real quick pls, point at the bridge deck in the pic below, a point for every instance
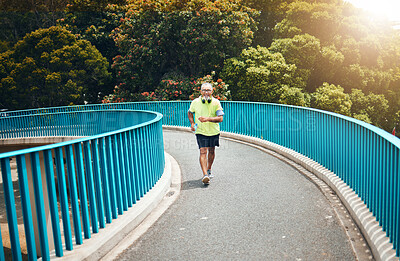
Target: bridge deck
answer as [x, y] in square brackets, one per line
[256, 208]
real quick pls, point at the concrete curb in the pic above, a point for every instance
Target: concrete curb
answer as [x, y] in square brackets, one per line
[108, 238]
[376, 238]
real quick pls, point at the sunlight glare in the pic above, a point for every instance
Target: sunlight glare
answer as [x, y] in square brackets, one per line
[387, 8]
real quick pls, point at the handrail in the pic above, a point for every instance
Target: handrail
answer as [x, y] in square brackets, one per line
[107, 171]
[365, 157]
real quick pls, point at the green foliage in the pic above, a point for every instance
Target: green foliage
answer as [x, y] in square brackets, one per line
[50, 67]
[371, 108]
[194, 37]
[19, 17]
[330, 97]
[302, 50]
[317, 19]
[94, 21]
[259, 75]
[294, 96]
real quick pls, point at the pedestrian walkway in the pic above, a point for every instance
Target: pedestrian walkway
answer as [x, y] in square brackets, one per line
[256, 208]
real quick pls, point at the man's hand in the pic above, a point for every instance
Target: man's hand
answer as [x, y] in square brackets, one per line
[204, 119]
[192, 127]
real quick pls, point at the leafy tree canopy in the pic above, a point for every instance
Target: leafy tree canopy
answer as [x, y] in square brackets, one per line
[330, 97]
[50, 67]
[192, 37]
[259, 75]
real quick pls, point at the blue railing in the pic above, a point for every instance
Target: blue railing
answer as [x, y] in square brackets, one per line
[99, 176]
[363, 156]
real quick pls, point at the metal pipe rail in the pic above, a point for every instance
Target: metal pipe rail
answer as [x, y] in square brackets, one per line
[94, 179]
[365, 157]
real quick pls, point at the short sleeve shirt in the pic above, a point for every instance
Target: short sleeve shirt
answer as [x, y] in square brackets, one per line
[212, 109]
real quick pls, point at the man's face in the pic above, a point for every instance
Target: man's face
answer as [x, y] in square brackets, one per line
[206, 91]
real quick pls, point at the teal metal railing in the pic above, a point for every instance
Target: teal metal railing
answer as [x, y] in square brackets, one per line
[95, 178]
[365, 157]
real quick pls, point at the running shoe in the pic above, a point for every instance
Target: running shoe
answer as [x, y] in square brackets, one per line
[206, 179]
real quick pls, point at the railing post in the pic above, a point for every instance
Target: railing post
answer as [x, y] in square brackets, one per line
[26, 207]
[51, 189]
[90, 184]
[117, 179]
[122, 172]
[82, 189]
[111, 177]
[39, 202]
[73, 194]
[10, 207]
[104, 180]
[97, 182]
[62, 191]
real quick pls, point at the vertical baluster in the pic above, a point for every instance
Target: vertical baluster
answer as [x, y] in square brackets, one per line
[134, 185]
[379, 183]
[139, 163]
[385, 198]
[26, 208]
[51, 189]
[161, 148]
[363, 172]
[62, 191]
[97, 182]
[73, 194]
[367, 162]
[150, 156]
[10, 207]
[41, 218]
[91, 186]
[2, 249]
[117, 174]
[82, 189]
[104, 180]
[121, 158]
[128, 168]
[397, 203]
[146, 160]
[111, 177]
[391, 181]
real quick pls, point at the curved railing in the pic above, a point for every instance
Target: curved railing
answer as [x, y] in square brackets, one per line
[118, 157]
[365, 157]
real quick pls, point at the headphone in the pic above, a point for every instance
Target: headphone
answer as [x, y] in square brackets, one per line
[203, 100]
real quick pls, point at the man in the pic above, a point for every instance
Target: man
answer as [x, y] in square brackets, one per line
[208, 114]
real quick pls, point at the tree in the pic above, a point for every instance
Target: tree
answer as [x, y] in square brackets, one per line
[330, 97]
[50, 67]
[19, 17]
[371, 108]
[192, 37]
[259, 75]
[94, 21]
[317, 19]
[302, 50]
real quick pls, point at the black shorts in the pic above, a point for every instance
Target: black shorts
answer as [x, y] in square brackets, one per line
[207, 141]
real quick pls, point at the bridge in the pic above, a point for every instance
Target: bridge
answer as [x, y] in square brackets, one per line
[114, 160]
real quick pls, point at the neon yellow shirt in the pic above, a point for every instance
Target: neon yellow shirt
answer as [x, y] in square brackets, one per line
[213, 109]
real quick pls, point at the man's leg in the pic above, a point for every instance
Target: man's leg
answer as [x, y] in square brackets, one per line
[211, 156]
[203, 160]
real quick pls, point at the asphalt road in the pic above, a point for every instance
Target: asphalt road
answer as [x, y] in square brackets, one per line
[256, 208]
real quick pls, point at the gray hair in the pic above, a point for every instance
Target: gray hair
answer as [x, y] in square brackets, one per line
[206, 84]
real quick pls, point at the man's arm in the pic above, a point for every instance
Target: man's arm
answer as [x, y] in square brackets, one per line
[191, 119]
[211, 119]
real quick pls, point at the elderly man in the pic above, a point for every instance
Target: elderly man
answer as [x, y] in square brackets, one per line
[208, 113]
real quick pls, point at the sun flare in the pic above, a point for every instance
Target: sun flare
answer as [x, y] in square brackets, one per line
[386, 8]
